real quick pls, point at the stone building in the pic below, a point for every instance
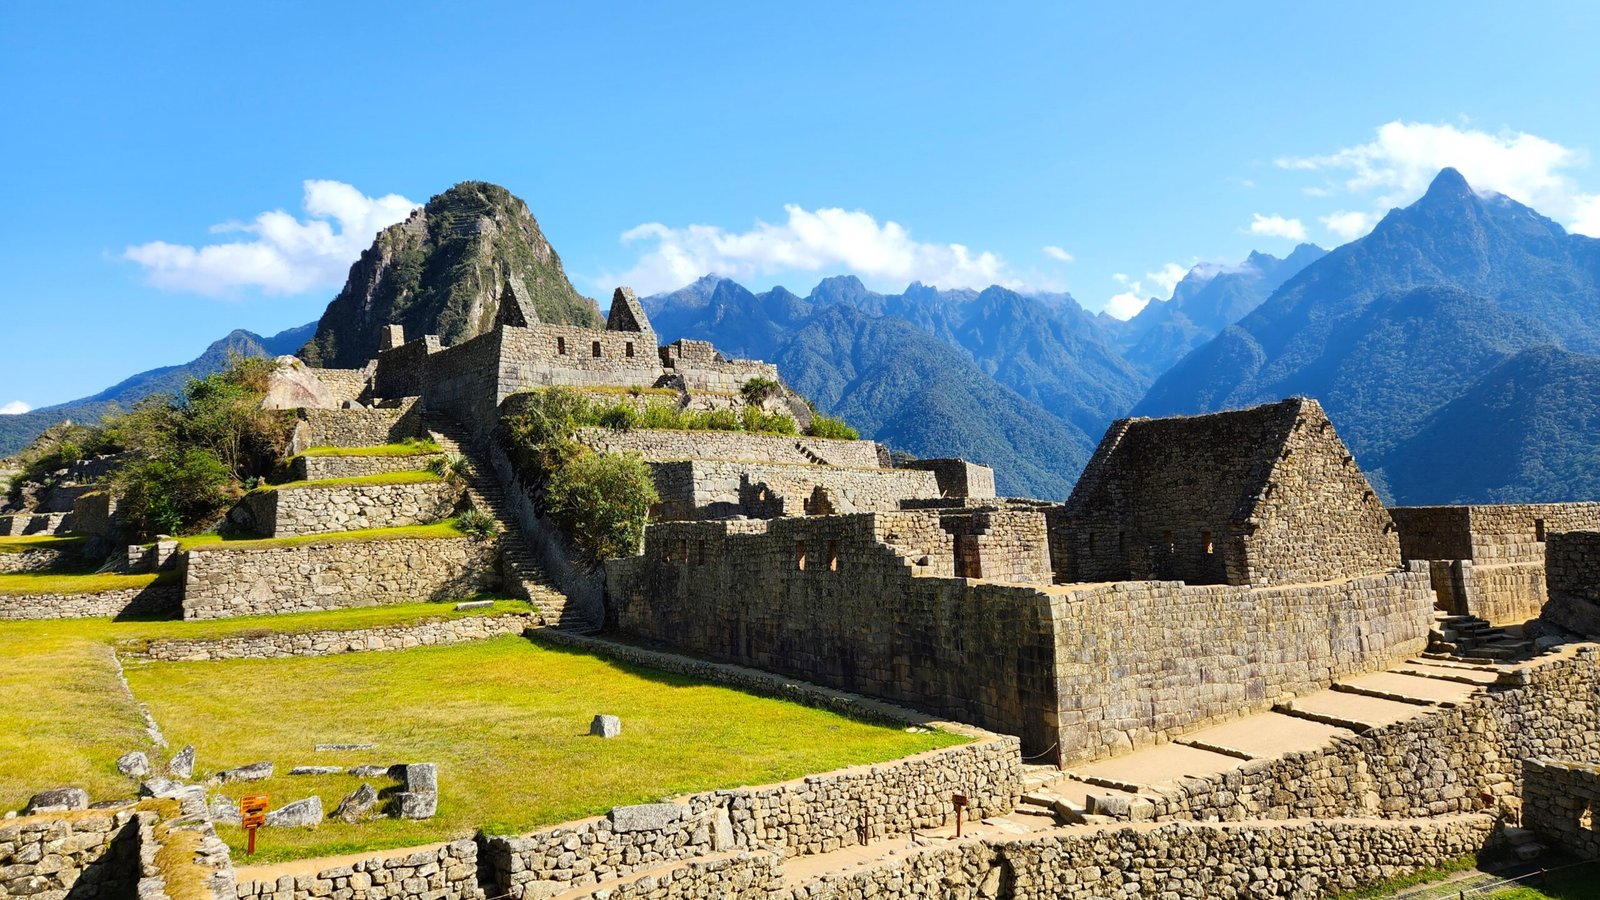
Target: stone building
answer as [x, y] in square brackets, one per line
[1489, 560]
[1260, 496]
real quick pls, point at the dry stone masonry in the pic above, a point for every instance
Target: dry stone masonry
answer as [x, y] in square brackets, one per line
[282, 645]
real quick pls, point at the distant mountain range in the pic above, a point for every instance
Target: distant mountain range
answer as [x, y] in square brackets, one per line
[18, 430]
[1456, 347]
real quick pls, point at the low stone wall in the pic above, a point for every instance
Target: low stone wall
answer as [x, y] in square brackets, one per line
[1453, 760]
[317, 468]
[700, 489]
[818, 814]
[1561, 801]
[84, 854]
[334, 574]
[288, 512]
[356, 427]
[34, 560]
[664, 445]
[18, 524]
[331, 643]
[1572, 565]
[155, 601]
[1301, 860]
[447, 872]
[1507, 594]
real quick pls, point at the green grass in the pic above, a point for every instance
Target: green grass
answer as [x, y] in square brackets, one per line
[419, 476]
[24, 543]
[1578, 884]
[213, 541]
[28, 583]
[407, 448]
[506, 720]
[1415, 879]
[321, 620]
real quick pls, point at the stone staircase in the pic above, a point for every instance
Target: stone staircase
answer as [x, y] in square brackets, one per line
[1470, 637]
[524, 576]
[809, 454]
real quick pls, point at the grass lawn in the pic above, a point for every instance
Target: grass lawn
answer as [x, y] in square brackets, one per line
[26, 583]
[65, 717]
[1580, 884]
[419, 476]
[213, 541]
[406, 448]
[506, 720]
[24, 543]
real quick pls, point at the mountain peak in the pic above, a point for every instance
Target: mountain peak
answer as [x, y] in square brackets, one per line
[1448, 183]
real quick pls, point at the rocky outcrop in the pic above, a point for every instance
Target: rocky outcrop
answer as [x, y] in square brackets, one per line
[448, 270]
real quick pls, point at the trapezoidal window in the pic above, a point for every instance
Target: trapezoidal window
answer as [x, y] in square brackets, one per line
[800, 555]
[627, 350]
[684, 548]
[561, 346]
[1166, 538]
[1206, 543]
[833, 556]
[594, 349]
[1538, 530]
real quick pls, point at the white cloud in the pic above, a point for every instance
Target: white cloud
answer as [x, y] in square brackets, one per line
[286, 255]
[1277, 226]
[808, 241]
[1348, 225]
[14, 408]
[1126, 305]
[1167, 277]
[1057, 253]
[1403, 158]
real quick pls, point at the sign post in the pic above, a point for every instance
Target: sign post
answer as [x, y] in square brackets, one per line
[252, 815]
[959, 801]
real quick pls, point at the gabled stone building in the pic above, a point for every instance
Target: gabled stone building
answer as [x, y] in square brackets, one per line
[1260, 496]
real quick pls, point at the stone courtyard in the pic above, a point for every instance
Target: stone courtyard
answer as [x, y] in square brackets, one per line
[1220, 668]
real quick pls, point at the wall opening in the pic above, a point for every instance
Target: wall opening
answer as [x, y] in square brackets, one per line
[969, 562]
[833, 556]
[1206, 544]
[627, 350]
[1538, 530]
[1586, 818]
[800, 555]
[819, 503]
[700, 553]
[1166, 538]
[684, 551]
[561, 346]
[594, 349]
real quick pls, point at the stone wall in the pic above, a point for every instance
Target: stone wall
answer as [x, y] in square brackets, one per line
[446, 872]
[1561, 801]
[293, 510]
[1572, 564]
[665, 445]
[1447, 760]
[841, 600]
[318, 468]
[280, 645]
[1300, 860]
[95, 513]
[958, 478]
[343, 384]
[817, 814]
[335, 574]
[19, 524]
[701, 489]
[155, 601]
[84, 854]
[36, 560]
[356, 427]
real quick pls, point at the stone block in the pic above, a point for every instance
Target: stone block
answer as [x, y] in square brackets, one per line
[605, 726]
[417, 804]
[644, 817]
[253, 772]
[58, 799]
[358, 805]
[134, 764]
[181, 766]
[305, 813]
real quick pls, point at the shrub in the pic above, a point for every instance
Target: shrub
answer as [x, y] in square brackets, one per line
[829, 427]
[172, 493]
[538, 436]
[661, 415]
[477, 524]
[714, 420]
[452, 467]
[759, 390]
[602, 501]
[756, 419]
[619, 417]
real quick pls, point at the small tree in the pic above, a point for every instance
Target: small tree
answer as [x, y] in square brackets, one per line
[602, 501]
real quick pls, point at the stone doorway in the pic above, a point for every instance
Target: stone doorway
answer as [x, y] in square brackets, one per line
[968, 558]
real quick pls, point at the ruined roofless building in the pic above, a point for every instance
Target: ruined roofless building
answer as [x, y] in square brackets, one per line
[1253, 497]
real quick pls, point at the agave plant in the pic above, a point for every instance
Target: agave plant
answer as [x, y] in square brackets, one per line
[452, 467]
[477, 524]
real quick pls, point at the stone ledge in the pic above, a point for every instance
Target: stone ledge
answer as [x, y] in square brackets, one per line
[333, 642]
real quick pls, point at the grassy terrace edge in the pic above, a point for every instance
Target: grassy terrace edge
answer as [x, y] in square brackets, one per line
[27, 542]
[213, 541]
[28, 584]
[408, 448]
[418, 476]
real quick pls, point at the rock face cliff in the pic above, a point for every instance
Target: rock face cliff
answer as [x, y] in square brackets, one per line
[473, 257]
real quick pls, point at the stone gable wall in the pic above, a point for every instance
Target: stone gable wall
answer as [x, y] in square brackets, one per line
[712, 489]
[220, 583]
[350, 507]
[665, 445]
[317, 468]
[356, 427]
[155, 601]
[1561, 801]
[331, 643]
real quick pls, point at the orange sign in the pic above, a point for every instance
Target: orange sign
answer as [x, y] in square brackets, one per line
[253, 815]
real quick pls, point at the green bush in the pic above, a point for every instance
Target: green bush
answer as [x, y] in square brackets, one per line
[829, 427]
[759, 390]
[620, 416]
[661, 415]
[713, 420]
[171, 493]
[452, 467]
[755, 419]
[601, 501]
[477, 524]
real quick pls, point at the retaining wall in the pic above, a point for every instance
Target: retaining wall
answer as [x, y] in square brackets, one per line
[699, 489]
[35, 560]
[83, 854]
[447, 872]
[1561, 801]
[357, 427]
[317, 468]
[331, 643]
[155, 601]
[334, 574]
[292, 511]
[665, 445]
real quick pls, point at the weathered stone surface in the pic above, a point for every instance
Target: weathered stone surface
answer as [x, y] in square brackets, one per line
[316, 770]
[58, 799]
[605, 726]
[358, 805]
[417, 804]
[419, 777]
[224, 811]
[305, 813]
[134, 764]
[293, 385]
[181, 766]
[370, 770]
[253, 772]
[645, 817]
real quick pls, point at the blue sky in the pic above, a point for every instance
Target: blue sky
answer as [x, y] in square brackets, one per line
[1047, 146]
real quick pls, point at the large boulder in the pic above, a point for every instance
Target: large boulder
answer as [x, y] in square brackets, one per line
[305, 813]
[358, 806]
[181, 766]
[134, 764]
[294, 386]
[58, 800]
[253, 772]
